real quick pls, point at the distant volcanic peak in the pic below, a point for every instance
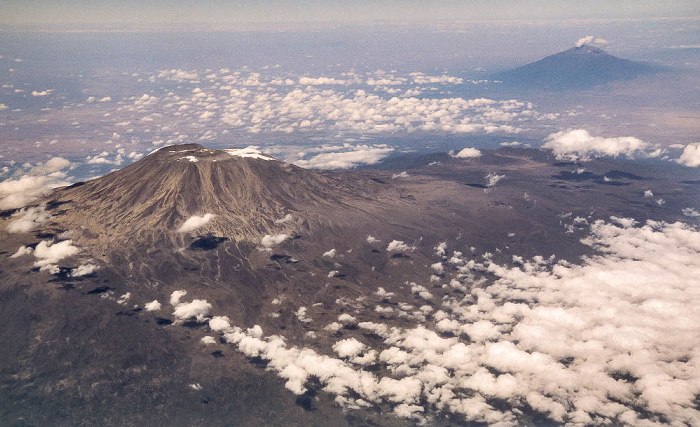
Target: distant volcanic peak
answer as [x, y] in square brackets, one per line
[580, 67]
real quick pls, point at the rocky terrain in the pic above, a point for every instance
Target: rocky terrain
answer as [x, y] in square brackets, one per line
[225, 287]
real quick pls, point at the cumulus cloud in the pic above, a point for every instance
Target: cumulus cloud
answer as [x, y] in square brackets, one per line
[399, 246]
[493, 178]
[49, 254]
[690, 156]
[513, 144]
[347, 156]
[54, 165]
[691, 212]
[197, 309]
[467, 153]
[194, 222]
[123, 299]
[152, 306]
[28, 219]
[84, 270]
[320, 81]
[268, 241]
[579, 145]
[39, 181]
[176, 296]
[220, 323]
[421, 79]
[348, 347]
[584, 40]
[23, 250]
[330, 253]
[17, 193]
[287, 218]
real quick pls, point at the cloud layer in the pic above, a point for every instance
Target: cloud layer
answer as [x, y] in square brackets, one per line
[613, 339]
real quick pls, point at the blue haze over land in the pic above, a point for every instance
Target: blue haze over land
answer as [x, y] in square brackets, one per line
[57, 66]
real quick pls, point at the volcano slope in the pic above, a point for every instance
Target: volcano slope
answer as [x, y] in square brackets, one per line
[224, 287]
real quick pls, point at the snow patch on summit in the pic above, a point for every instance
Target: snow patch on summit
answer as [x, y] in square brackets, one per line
[250, 151]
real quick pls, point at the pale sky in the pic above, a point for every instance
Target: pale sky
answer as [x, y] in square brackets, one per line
[98, 12]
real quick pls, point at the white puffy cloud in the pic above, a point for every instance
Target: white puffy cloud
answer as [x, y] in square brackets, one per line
[287, 218]
[467, 153]
[584, 40]
[347, 318]
[691, 212]
[399, 246]
[690, 156]
[194, 222]
[579, 145]
[20, 192]
[28, 219]
[123, 299]
[55, 164]
[84, 270]
[330, 253]
[382, 293]
[511, 144]
[196, 308]
[348, 347]
[347, 156]
[268, 241]
[176, 296]
[152, 306]
[220, 323]
[320, 81]
[422, 79]
[301, 314]
[208, 340]
[39, 181]
[493, 178]
[23, 250]
[49, 254]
